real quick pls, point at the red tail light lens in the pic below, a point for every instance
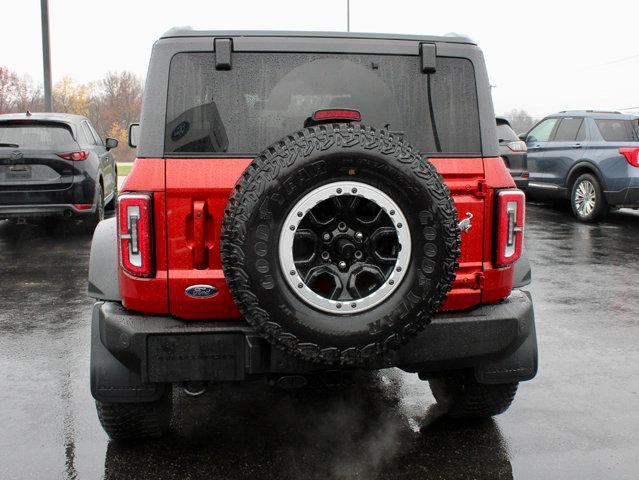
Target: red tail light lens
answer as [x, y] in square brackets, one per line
[631, 154]
[518, 146]
[510, 226]
[75, 156]
[337, 114]
[135, 233]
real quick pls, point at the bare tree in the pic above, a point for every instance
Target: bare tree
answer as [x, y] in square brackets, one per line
[520, 120]
[18, 94]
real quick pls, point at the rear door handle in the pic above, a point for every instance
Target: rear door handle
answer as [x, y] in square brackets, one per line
[577, 145]
[199, 246]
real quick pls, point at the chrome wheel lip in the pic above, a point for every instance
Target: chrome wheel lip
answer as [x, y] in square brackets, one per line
[585, 198]
[287, 237]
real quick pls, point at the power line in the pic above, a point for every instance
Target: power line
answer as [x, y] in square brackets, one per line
[612, 62]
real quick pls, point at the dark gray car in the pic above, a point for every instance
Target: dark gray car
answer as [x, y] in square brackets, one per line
[54, 164]
[513, 151]
[589, 157]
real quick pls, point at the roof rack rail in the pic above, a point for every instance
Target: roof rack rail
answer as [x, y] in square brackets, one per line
[589, 111]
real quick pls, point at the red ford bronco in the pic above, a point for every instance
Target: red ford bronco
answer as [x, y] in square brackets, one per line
[304, 205]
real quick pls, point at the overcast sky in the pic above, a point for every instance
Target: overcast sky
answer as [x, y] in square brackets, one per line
[542, 56]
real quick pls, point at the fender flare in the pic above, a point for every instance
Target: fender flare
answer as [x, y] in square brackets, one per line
[586, 165]
[103, 262]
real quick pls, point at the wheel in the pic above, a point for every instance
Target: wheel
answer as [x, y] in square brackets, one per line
[339, 242]
[135, 420]
[587, 199]
[464, 397]
[96, 217]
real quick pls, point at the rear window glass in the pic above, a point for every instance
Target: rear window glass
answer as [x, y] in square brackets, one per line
[35, 135]
[504, 132]
[266, 96]
[617, 130]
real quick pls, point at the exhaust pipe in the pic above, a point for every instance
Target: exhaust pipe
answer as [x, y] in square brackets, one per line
[194, 389]
[68, 213]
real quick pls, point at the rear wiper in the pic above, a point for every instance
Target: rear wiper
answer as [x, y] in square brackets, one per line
[13, 145]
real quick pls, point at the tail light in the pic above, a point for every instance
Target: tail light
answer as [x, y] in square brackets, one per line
[135, 233]
[631, 154]
[510, 226]
[517, 146]
[75, 156]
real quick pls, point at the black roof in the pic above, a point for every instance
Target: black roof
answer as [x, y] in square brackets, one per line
[190, 32]
[44, 116]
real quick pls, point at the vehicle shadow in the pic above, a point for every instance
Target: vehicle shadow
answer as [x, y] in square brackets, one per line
[361, 431]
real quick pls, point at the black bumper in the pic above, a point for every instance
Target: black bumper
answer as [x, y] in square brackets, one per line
[628, 197]
[55, 200]
[46, 210]
[134, 355]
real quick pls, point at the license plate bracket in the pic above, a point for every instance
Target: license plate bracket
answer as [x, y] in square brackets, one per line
[195, 357]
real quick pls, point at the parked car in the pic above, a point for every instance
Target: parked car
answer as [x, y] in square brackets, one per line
[588, 157]
[513, 151]
[54, 164]
[282, 222]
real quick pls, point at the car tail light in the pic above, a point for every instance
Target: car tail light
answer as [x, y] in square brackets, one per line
[75, 156]
[525, 175]
[337, 114]
[83, 206]
[135, 233]
[510, 226]
[631, 154]
[517, 146]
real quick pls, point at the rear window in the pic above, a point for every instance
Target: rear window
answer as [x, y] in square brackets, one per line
[505, 133]
[35, 134]
[266, 96]
[618, 130]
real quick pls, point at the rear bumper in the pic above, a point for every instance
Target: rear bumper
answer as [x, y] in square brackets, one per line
[628, 197]
[520, 177]
[13, 211]
[134, 355]
[49, 201]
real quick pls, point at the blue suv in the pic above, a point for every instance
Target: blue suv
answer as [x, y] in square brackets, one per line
[587, 156]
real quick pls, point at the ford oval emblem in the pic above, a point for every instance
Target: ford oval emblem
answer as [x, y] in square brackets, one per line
[201, 291]
[180, 130]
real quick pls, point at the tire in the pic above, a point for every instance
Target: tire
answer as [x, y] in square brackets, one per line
[96, 217]
[313, 160]
[123, 421]
[587, 186]
[464, 397]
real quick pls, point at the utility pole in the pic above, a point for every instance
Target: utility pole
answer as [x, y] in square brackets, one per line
[348, 15]
[46, 55]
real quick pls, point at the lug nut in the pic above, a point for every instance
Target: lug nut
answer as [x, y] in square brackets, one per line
[325, 255]
[326, 236]
[341, 226]
[342, 265]
[359, 236]
[358, 255]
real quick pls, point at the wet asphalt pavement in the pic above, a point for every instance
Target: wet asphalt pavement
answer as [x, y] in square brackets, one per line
[578, 419]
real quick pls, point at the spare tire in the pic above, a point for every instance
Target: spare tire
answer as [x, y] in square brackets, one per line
[339, 242]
